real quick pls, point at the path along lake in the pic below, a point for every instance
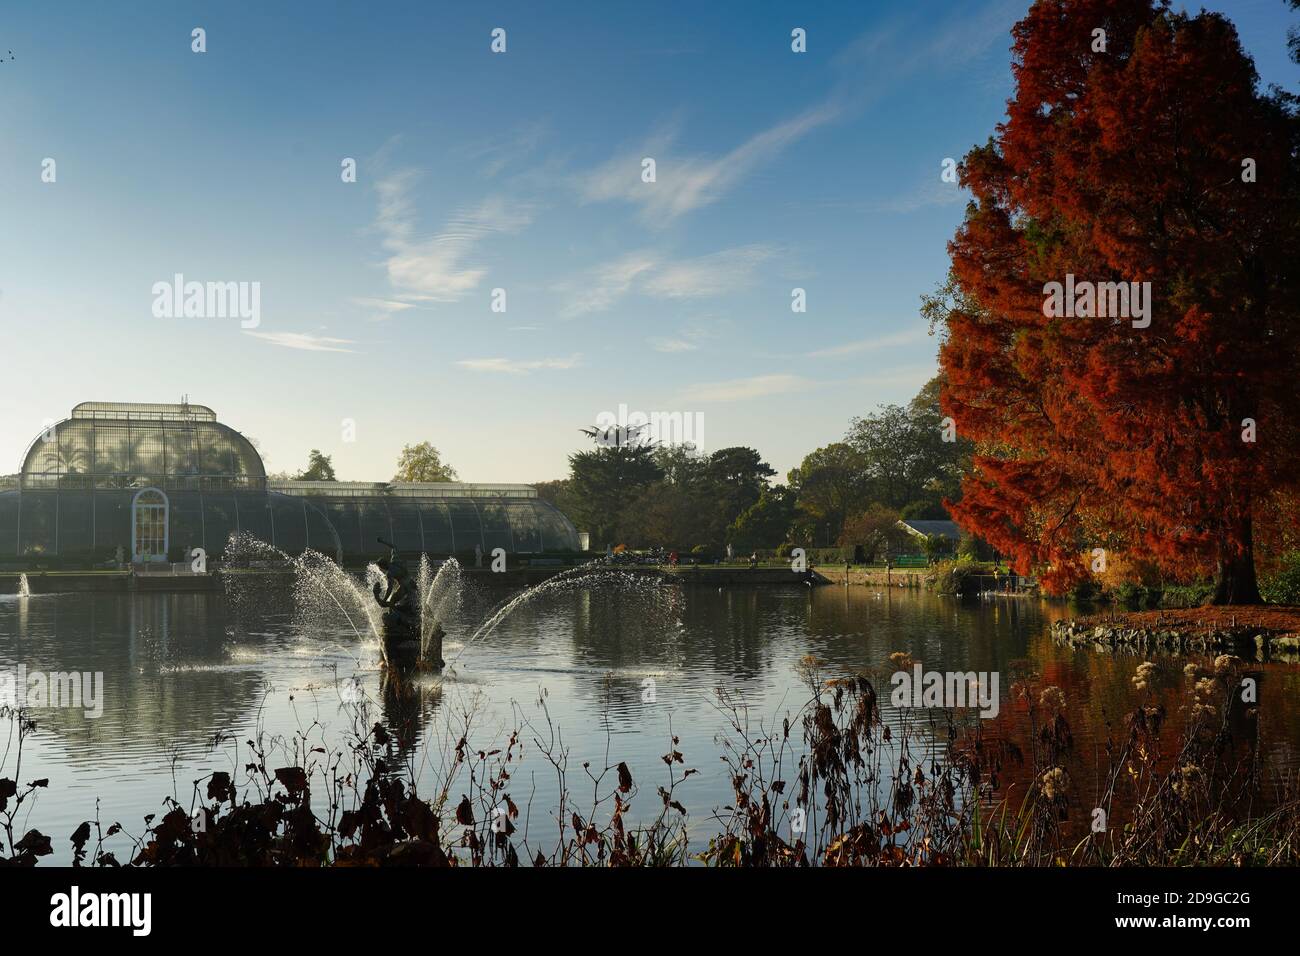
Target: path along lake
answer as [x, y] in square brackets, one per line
[622, 669]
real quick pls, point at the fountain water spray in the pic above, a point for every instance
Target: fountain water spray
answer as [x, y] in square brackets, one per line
[322, 591]
[582, 575]
[439, 599]
[24, 589]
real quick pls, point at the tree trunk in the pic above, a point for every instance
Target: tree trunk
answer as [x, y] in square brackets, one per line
[1234, 580]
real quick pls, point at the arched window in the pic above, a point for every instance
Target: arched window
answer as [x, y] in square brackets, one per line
[149, 525]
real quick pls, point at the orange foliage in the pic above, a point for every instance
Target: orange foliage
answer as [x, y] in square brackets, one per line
[1126, 166]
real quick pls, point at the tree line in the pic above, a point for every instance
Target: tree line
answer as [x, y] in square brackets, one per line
[419, 462]
[893, 463]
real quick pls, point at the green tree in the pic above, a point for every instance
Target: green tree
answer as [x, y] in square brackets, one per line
[681, 464]
[941, 462]
[668, 515]
[736, 477]
[906, 455]
[319, 468]
[876, 530]
[604, 482]
[831, 485]
[766, 523]
[558, 492]
[924, 509]
[422, 462]
[888, 448]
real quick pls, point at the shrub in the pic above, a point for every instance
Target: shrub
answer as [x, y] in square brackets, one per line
[1283, 586]
[1135, 595]
[938, 545]
[830, 555]
[954, 577]
[1086, 590]
[1187, 595]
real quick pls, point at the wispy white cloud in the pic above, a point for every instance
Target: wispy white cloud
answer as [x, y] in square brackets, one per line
[381, 309]
[709, 275]
[930, 192]
[690, 338]
[679, 344]
[518, 366]
[383, 305]
[439, 268]
[496, 153]
[651, 273]
[869, 66]
[740, 389]
[908, 378]
[601, 287]
[872, 344]
[969, 36]
[923, 196]
[887, 55]
[303, 341]
[686, 183]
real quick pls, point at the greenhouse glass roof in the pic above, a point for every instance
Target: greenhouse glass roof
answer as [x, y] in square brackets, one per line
[125, 445]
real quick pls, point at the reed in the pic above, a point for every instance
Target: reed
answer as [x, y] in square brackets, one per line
[835, 784]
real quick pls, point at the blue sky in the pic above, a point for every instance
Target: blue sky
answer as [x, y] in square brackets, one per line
[478, 171]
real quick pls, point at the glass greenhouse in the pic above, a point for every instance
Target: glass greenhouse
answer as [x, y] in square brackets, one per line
[156, 481]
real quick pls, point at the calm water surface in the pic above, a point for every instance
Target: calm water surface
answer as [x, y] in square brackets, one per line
[181, 669]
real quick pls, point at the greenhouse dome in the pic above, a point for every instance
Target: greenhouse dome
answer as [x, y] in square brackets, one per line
[119, 482]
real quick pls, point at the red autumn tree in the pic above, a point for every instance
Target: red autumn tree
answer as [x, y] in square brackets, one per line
[1146, 153]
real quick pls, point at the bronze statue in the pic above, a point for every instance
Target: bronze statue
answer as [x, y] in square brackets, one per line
[401, 605]
[405, 640]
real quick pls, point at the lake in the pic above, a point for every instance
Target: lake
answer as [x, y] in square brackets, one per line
[622, 667]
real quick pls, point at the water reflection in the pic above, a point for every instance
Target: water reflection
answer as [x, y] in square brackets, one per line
[182, 668]
[168, 671]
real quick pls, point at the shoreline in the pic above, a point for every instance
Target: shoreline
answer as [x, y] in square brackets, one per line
[66, 582]
[1264, 632]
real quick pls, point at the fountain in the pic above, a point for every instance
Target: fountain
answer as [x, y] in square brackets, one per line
[24, 589]
[403, 628]
[323, 592]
